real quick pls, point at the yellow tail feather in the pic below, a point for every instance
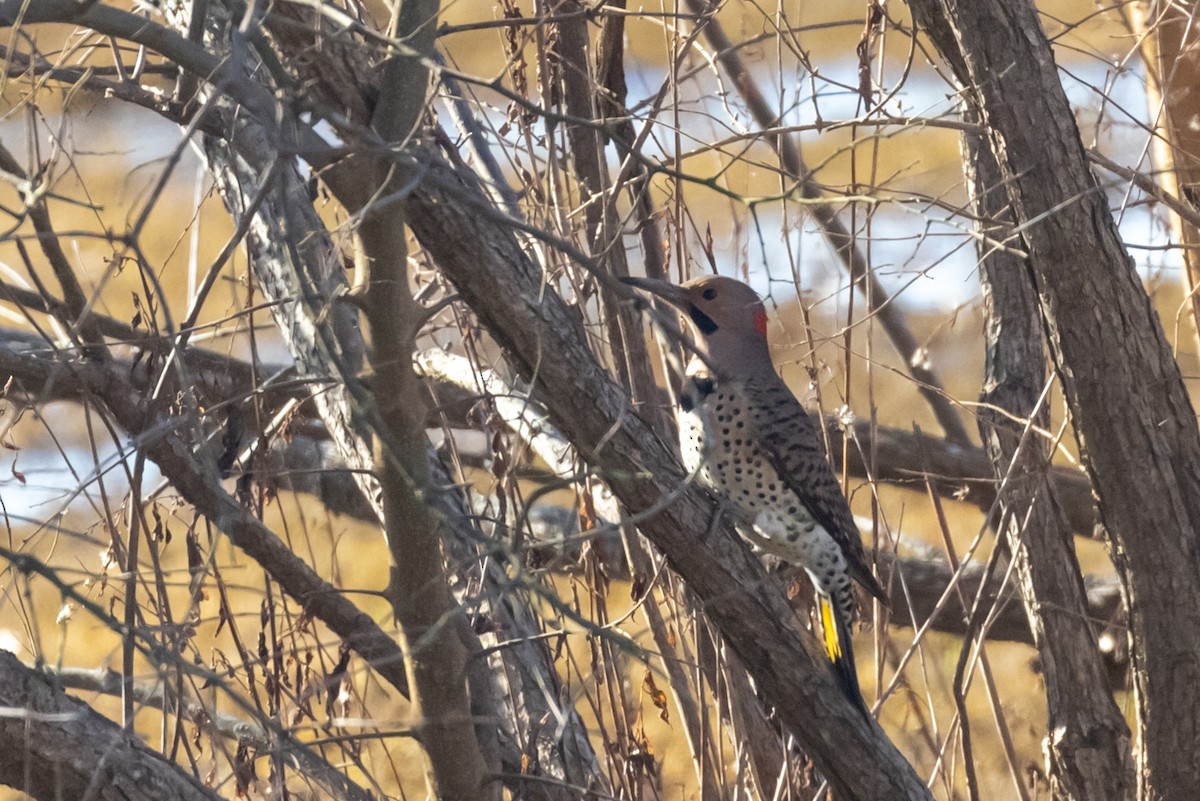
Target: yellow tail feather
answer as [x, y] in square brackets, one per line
[840, 650]
[833, 646]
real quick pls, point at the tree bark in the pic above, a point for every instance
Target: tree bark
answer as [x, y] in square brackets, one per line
[454, 702]
[1132, 416]
[53, 746]
[1087, 745]
[297, 266]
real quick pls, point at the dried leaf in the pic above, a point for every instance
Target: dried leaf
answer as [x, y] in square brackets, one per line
[658, 698]
[707, 247]
[196, 571]
[136, 322]
[243, 770]
[637, 587]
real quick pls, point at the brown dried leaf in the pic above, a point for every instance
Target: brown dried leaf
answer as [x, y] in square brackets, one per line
[659, 699]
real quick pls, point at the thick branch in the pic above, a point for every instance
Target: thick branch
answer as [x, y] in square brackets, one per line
[264, 737]
[919, 600]
[438, 642]
[53, 746]
[158, 694]
[200, 484]
[310, 463]
[961, 472]
[451, 688]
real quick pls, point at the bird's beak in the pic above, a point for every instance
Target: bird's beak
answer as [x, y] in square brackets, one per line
[671, 293]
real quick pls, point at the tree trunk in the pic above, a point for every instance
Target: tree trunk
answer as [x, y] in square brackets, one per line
[1132, 416]
[295, 262]
[1087, 742]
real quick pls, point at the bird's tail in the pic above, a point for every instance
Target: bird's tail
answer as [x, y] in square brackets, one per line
[840, 650]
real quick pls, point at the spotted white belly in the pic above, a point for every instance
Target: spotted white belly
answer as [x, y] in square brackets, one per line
[716, 444]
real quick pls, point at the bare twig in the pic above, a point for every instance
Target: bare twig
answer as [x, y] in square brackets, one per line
[879, 301]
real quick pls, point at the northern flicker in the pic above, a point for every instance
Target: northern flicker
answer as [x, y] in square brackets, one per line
[747, 438]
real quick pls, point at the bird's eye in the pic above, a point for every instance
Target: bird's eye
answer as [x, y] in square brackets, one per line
[709, 294]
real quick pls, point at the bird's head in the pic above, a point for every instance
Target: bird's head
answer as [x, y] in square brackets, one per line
[727, 320]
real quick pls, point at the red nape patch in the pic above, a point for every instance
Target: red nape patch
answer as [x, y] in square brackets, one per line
[760, 322]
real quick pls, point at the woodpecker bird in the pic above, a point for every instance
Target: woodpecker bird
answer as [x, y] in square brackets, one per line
[747, 438]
